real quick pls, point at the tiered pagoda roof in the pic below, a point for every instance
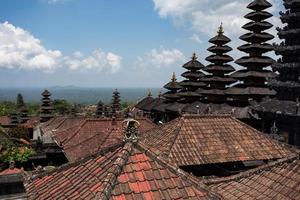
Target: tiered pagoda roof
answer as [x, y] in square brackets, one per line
[254, 76]
[192, 81]
[116, 105]
[23, 114]
[287, 83]
[46, 107]
[217, 79]
[100, 109]
[173, 87]
[14, 120]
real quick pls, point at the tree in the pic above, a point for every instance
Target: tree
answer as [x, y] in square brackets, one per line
[20, 101]
[61, 106]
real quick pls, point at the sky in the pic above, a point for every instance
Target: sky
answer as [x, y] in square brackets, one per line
[111, 43]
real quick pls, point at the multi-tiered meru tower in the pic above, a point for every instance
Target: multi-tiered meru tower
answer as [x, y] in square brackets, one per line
[284, 110]
[46, 107]
[217, 79]
[116, 103]
[192, 80]
[254, 77]
[287, 83]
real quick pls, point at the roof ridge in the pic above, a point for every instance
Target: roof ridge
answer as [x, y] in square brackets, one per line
[182, 174]
[177, 131]
[251, 171]
[111, 178]
[205, 115]
[84, 159]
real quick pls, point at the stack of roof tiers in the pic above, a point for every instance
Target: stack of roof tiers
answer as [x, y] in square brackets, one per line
[192, 80]
[46, 107]
[173, 87]
[217, 79]
[254, 76]
[287, 84]
[23, 114]
[116, 105]
[170, 97]
[100, 109]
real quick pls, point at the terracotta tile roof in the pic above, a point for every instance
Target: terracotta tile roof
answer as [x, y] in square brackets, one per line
[90, 135]
[197, 140]
[4, 120]
[11, 171]
[32, 122]
[125, 172]
[279, 180]
[60, 123]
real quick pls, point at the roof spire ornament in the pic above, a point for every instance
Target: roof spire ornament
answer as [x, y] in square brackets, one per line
[149, 93]
[194, 57]
[221, 29]
[130, 127]
[174, 77]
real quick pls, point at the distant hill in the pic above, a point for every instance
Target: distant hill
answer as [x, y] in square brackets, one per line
[75, 94]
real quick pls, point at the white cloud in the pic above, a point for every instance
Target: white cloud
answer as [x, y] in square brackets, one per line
[160, 58]
[56, 1]
[97, 61]
[21, 50]
[196, 38]
[204, 16]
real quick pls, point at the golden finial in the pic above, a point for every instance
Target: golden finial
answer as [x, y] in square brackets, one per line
[221, 30]
[173, 77]
[149, 93]
[194, 57]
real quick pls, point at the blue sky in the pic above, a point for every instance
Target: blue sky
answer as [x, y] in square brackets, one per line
[109, 43]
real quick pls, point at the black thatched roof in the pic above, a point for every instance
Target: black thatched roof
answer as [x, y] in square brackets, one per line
[151, 105]
[259, 5]
[259, 74]
[258, 91]
[278, 107]
[258, 16]
[147, 100]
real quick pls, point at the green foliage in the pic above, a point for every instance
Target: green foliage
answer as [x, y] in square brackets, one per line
[6, 108]
[17, 154]
[126, 104]
[20, 101]
[33, 109]
[61, 106]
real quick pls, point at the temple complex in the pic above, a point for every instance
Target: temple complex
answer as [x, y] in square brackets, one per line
[253, 77]
[217, 80]
[46, 107]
